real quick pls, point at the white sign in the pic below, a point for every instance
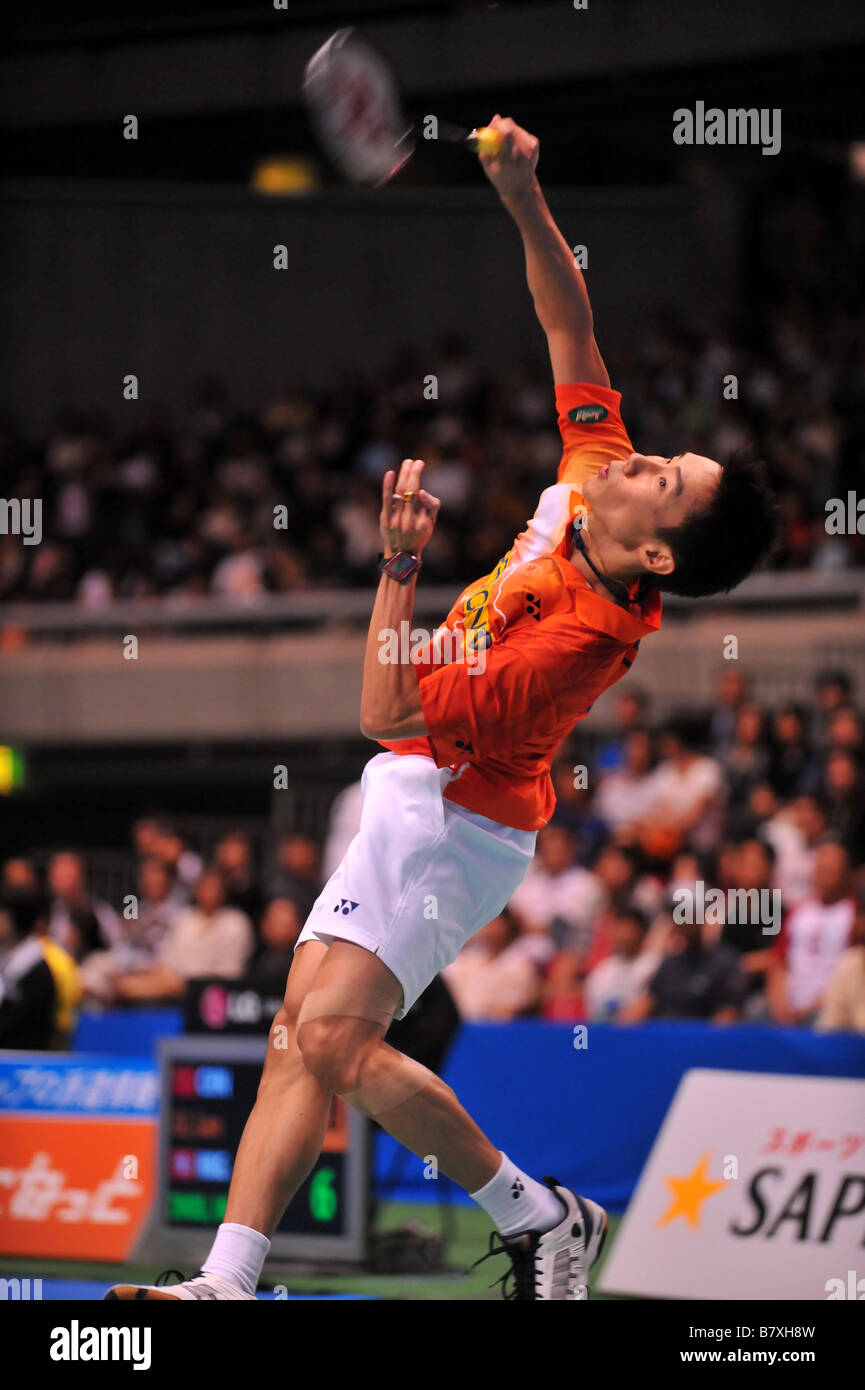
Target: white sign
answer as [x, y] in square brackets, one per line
[754, 1189]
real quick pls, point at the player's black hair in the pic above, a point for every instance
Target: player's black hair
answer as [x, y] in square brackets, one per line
[715, 548]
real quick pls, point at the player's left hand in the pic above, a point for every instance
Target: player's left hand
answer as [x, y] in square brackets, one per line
[406, 525]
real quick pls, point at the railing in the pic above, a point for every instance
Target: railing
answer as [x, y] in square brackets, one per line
[313, 608]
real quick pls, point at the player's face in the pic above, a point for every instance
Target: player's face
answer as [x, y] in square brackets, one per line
[632, 499]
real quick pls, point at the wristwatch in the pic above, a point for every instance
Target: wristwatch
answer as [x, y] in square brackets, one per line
[400, 566]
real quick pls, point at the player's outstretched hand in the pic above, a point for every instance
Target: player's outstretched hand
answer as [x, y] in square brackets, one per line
[408, 513]
[512, 170]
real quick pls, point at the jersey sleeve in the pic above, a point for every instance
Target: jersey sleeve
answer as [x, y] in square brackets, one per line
[590, 423]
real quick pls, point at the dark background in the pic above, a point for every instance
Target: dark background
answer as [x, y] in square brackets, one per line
[153, 256]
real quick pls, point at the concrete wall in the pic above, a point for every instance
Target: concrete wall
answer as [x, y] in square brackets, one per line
[307, 687]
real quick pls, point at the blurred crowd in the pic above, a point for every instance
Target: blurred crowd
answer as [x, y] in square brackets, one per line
[186, 507]
[711, 871]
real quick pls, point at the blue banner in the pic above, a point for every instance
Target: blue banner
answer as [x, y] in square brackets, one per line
[43, 1083]
[588, 1115]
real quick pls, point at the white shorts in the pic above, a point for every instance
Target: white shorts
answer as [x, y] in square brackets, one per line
[421, 876]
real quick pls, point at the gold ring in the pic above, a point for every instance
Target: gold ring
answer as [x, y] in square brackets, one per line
[404, 496]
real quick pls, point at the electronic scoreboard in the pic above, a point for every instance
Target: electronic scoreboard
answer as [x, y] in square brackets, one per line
[208, 1087]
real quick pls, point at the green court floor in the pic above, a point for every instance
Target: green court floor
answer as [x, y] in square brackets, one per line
[471, 1230]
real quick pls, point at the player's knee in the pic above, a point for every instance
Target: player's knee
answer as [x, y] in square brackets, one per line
[333, 1052]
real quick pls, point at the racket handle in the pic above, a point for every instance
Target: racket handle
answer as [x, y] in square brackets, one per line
[486, 140]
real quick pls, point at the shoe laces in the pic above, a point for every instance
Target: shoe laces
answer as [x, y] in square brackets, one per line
[517, 1282]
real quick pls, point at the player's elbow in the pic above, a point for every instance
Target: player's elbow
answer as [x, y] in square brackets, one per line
[376, 723]
[371, 725]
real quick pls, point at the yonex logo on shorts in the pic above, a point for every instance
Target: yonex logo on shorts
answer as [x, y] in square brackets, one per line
[588, 414]
[345, 906]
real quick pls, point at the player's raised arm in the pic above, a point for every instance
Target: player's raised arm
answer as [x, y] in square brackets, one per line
[556, 282]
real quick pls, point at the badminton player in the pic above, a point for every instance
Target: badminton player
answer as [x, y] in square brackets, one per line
[452, 805]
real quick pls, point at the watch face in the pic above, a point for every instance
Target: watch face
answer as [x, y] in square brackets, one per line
[401, 566]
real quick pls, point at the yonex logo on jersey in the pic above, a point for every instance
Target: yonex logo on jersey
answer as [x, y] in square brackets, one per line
[588, 414]
[345, 906]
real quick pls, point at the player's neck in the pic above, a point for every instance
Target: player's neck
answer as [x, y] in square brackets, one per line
[585, 558]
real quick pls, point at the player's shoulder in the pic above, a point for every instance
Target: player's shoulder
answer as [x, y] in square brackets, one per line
[543, 572]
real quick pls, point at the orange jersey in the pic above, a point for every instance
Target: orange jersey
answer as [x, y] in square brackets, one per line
[525, 651]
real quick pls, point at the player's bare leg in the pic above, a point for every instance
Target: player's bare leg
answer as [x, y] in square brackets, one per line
[281, 1141]
[328, 1039]
[285, 1131]
[347, 1054]
[551, 1235]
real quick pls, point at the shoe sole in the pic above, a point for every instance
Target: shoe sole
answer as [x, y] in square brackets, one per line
[592, 1214]
[135, 1293]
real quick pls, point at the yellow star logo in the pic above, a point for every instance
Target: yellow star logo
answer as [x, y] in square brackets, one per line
[689, 1194]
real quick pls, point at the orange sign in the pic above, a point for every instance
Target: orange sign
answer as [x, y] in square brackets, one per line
[79, 1189]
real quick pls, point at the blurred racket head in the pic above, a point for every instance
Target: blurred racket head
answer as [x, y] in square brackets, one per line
[354, 106]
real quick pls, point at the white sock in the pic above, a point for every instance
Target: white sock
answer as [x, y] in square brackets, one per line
[237, 1254]
[514, 1202]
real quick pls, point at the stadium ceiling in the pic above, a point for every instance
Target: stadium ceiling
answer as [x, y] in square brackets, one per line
[215, 87]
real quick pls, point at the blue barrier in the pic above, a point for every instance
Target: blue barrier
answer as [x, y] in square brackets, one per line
[590, 1116]
[131, 1031]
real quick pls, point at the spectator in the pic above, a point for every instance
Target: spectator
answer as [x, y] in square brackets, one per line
[77, 921]
[184, 864]
[845, 731]
[558, 898]
[281, 925]
[575, 811]
[233, 857]
[28, 996]
[159, 901]
[794, 833]
[813, 939]
[495, 977]
[792, 765]
[298, 872]
[683, 800]
[20, 873]
[746, 761]
[833, 690]
[206, 940]
[754, 869]
[746, 819]
[845, 797]
[620, 979]
[631, 713]
[695, 981]
[730, 695]
[843, 1008]
[623, 794]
